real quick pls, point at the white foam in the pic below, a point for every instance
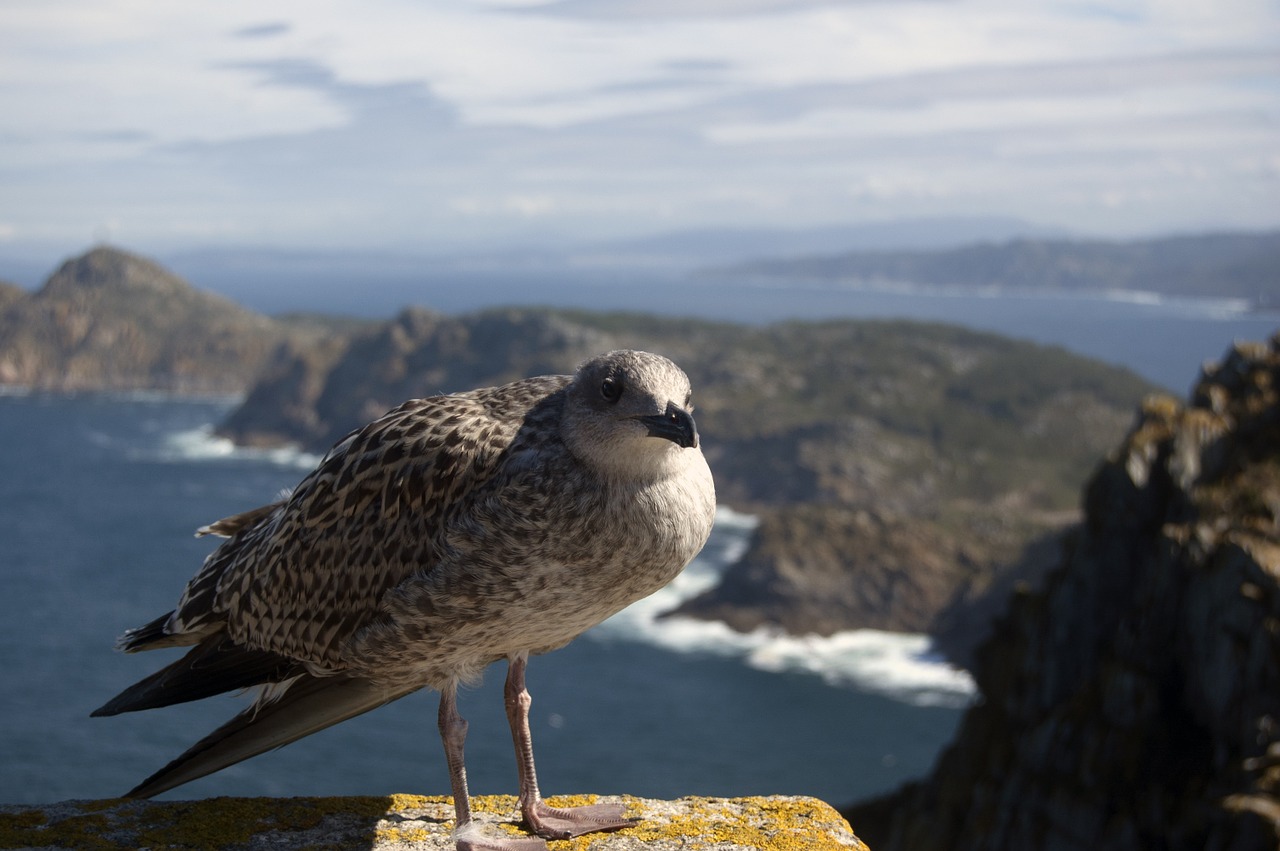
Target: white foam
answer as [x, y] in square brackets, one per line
[202, 444]
[897, 665]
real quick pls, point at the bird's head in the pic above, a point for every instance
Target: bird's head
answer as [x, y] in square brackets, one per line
[628, 409]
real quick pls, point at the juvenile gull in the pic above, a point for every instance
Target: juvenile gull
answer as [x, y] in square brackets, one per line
[451, 533]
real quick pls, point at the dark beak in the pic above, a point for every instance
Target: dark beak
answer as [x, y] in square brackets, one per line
[676, 425]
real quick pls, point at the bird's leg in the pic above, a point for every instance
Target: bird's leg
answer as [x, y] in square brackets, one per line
[453, 732]
[544, 820]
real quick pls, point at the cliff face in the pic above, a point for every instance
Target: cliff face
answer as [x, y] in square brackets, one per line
[821, 569]
[1134, 703]
[111, 321]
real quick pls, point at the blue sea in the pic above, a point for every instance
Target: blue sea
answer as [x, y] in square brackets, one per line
[101, 495]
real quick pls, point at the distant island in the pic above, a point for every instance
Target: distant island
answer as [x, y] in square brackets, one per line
[1242, 266]
[902, 471]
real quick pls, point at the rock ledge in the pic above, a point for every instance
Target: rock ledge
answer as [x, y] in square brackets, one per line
[403, 822]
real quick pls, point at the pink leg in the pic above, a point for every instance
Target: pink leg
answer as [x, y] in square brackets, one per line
[544, 820]
[453, 732]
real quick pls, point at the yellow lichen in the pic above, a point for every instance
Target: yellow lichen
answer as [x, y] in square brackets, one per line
[757, 823]
[766, 824]
[33, 829]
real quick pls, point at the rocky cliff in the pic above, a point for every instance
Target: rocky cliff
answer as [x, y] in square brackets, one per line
[109, 320]
[9, 293]
[1134, 703]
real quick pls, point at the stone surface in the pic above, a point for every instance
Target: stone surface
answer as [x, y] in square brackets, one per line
[416, 823]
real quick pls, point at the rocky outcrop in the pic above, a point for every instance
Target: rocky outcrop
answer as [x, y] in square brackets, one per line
[109, 320]
[414, 823]
[822, 569]
[1134, 703]
[10, 293]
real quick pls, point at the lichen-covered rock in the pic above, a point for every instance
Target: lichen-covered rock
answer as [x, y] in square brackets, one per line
[1135, 702]
[416, 823]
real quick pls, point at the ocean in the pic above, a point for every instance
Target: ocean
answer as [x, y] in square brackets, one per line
[101, 495]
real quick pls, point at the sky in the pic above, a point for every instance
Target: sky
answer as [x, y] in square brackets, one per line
[443, 124]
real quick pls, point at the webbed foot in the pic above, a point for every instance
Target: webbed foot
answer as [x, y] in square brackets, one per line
[471, 839]
[565, 823]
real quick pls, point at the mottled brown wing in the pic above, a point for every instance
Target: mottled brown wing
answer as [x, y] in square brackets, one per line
[310, 572]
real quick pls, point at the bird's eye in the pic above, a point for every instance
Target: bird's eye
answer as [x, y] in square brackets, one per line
[611, 390]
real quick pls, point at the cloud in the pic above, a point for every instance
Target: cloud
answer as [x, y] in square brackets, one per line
[277, 119]
[268, 30]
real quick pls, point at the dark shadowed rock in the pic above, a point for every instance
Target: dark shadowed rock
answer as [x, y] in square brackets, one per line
[1134, 703]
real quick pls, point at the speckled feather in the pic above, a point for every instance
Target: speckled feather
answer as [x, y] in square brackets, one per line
[458, 530]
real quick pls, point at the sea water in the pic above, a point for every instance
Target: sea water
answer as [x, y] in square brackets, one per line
[99, 496]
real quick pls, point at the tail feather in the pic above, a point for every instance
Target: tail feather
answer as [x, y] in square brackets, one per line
[308, 705]
[145, 636]
[214, 666]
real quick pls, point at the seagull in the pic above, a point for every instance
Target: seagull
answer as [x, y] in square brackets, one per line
[453, 532]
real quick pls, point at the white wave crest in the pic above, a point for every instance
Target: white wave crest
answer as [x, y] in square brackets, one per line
[896, 665]
[202, 444]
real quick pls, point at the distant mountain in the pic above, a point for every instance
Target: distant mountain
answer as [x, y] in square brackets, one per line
[1236, 265]
[109, 320]
[702, 246]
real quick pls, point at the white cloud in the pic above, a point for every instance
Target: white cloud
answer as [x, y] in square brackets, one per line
[272, 117]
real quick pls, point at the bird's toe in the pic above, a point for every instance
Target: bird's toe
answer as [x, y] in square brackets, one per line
[566, 823]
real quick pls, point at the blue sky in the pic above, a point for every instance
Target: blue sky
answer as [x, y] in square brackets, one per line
[439, 124]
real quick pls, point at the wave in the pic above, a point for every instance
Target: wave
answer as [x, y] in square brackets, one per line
[896, 665]
[203, 444]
